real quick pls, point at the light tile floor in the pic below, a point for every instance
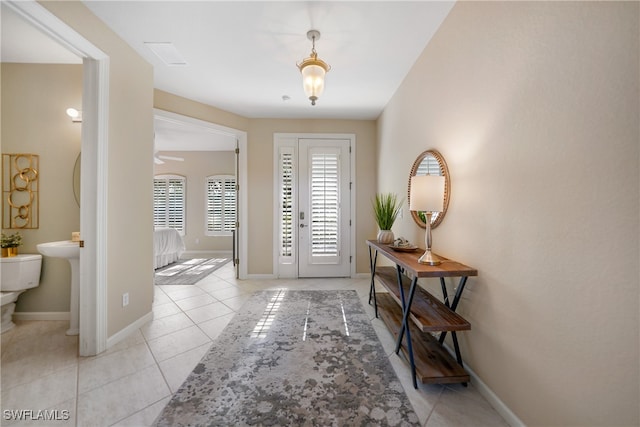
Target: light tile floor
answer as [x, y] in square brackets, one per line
[130, 383]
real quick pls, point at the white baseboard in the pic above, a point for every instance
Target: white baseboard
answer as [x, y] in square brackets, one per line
[260, 276]
[362, 276]
[486, 392]
[205, 254]
[41, 315]
[124, 333]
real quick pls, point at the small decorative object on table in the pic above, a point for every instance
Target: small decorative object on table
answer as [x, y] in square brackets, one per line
[403, 245]
[10, 244]
[386, 209]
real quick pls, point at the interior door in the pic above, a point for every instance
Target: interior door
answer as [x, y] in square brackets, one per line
[324, 210]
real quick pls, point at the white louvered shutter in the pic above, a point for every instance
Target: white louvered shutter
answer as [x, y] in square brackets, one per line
[287, 205]
[169, 200]
[325, 205]
[221, 205]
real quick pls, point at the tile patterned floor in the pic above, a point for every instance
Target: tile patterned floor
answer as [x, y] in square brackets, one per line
[130, 383]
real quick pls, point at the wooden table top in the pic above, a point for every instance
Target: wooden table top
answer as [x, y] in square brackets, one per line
[409, 261]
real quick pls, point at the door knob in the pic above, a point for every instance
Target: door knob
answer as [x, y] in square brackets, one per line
[302, 225]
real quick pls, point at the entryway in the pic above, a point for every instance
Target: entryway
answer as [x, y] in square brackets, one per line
[314, 189]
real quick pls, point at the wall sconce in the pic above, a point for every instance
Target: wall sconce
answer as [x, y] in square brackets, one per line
[427, 195]
[76, 115]
[313, 70]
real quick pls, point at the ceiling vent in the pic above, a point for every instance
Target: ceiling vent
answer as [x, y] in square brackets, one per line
[168, 53]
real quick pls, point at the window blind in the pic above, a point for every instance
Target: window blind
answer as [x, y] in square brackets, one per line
[221, 204]
[325, 204]
[169, 202]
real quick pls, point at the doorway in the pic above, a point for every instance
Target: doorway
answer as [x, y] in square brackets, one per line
[314, 192]
[93, 314]
[175, 132]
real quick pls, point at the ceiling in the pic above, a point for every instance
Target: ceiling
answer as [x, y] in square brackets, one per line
[241, 56]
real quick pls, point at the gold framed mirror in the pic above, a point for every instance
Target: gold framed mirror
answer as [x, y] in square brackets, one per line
[430, 162]
[76, 179]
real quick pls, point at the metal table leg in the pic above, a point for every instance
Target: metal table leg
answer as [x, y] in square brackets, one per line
[406, 310]
[454, 305]
[373, 258]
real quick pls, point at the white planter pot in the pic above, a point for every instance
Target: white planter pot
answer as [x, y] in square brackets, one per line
[385, 237]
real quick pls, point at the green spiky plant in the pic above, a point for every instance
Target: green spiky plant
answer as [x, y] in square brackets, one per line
[386, 209]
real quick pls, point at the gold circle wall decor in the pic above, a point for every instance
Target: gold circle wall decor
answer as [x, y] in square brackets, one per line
[20, 190]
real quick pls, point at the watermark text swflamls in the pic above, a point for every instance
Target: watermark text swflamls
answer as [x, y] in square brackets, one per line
[36, 414]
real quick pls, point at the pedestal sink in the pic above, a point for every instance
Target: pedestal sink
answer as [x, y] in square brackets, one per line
[71, 252]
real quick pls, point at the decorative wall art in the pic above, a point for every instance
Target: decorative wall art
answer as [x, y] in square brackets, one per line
[20, 191]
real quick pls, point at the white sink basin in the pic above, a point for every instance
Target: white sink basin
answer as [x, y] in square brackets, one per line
[63, 249]
[71, 252]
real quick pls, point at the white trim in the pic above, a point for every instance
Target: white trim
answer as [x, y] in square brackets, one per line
[55, 28]
[129, 329]
[241, 179]
[261, 277]
[41, 315]
[96, 94]
[95, 106]
[285, 139]
[198, 254]
[361, 276]
[501, 408]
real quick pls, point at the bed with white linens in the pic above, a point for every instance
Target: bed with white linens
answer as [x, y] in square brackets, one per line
[167, 246]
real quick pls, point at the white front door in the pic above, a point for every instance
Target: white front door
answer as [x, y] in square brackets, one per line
[323, 208]
[313, 193]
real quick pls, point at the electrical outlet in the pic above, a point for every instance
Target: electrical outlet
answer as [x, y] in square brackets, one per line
[125, 299]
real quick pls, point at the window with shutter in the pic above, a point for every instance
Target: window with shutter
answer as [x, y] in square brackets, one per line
[169, 200]
[287, 192]
[325, 204]
[221, 205]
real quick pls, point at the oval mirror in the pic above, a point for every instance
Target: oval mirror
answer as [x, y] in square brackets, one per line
[430, 162]
[76, 180]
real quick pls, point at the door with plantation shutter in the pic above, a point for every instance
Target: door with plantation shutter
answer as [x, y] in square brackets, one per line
[323, 208]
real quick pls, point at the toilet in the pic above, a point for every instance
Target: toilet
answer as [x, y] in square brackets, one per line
[18, 274]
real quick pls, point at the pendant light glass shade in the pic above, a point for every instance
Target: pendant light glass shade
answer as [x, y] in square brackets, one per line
[313, 81]
[313, 71]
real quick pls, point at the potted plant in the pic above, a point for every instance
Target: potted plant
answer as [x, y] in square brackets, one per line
[386, 209]
[10, 244]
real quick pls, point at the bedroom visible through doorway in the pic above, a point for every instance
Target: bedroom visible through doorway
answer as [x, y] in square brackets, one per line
[207, 209]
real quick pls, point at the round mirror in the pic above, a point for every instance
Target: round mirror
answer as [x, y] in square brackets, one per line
[76, 180]
[430, 162]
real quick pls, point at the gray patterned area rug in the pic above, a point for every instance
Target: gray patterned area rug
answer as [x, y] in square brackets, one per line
[188, 271]
[302, 358]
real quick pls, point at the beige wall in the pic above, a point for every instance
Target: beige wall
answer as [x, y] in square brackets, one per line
[196, 167]
[535, 108]
[130, 132]
[34, 100]
[260, 171]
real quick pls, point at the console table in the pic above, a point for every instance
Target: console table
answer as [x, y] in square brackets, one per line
[409, 310]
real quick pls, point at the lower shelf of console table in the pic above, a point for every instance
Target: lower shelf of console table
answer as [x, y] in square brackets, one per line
[434, 364]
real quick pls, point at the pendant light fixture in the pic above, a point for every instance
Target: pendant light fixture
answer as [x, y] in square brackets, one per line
[313, 70]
